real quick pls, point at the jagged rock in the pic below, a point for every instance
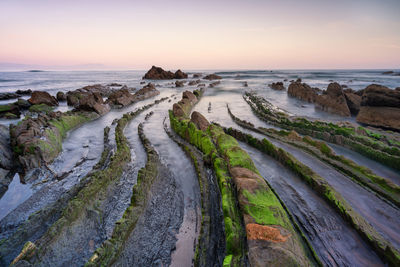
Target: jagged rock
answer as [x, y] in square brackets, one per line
[179, 84]
[93, 102]
[6, 110]
[388, 117]
[61, 96]
[333, 100]
[302, 91]
[157, 73]
[353, 102]
[180, 75]
[380, 96]
[277, 86]
[212, 77]
[147, 91]
[199, 120]
[121, 97]
[197, 75]
[41, 97]
[103, 90]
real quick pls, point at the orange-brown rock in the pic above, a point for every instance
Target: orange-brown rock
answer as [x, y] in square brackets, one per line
[147, 91]
[264, 232]
[380, 96]
[121, 97]
[189, 95]
[277, 86]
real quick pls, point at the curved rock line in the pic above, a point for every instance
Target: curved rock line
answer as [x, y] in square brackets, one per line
[306, 169]
[211, 242]
[83, 215]
[336, 243]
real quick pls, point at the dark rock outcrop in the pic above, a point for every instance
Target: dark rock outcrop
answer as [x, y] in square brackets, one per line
[157, 73]
[333, 100]
[302, 91]
[61, 96]
[353, 102]
[191, 83]
[199, 120]
[212, 77]
[277, 86]
[103, 90]
[380, 107]
[24, 92]
[147, 91]
[197, 75]
[380, 96]
[41, 97]
[93, 102]
[17, 94]
[121, 97]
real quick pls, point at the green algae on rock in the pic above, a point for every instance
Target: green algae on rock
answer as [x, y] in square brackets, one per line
[384, 149]
[246, 199]
[383, 248]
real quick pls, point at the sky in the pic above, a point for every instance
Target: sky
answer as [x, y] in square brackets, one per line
[225, 34]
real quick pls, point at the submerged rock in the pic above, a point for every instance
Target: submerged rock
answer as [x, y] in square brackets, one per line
[212, 77]
[41, 97]
[277, 86]
[179, 83]
[157, 73]
[333, 100]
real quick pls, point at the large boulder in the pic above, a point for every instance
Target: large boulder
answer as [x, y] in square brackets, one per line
[302, 91]
[41, 97]
[387, 117]
[157, 73]
[121, 97]
[333, 100]
[199, 120]
[212, 77]
[93, 102]
[380, 96]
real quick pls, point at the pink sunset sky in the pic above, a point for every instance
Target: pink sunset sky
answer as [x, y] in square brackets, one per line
[225, 34]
